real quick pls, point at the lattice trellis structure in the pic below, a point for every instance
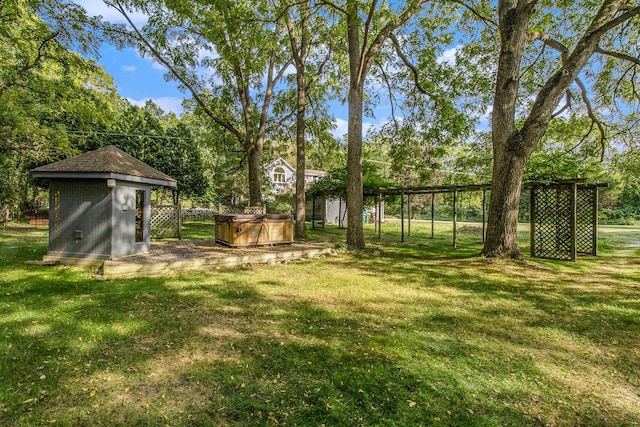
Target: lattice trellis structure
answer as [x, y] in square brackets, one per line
[166, 222]
[254, 210]
[553, 222]
[587, 220]
[564, 221]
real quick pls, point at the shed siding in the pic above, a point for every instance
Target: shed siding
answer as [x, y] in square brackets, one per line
[124, 220]
[79, 219]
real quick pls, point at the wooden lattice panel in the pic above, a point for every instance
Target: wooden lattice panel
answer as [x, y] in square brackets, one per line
[586, 220]
[254, 210]
[165, 221]
[224, 210]
[552, 222]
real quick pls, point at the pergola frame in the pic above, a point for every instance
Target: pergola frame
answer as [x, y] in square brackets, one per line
[577, 236]
[433, 190]
[583, 219]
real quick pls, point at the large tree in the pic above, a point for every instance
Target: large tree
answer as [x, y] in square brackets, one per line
[368, 26]
[306, 31]
[48, 92]
[579, 33]
[229, 56]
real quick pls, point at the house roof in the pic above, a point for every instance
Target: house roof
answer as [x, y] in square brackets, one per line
[105, 162]
[314, 172]
[279, 162]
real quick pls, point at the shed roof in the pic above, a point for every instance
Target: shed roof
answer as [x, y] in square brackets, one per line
[105, 162]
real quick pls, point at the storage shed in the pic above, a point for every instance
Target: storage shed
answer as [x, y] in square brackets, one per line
[99, 205]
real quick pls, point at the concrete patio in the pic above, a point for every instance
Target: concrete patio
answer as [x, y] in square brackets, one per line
[177, 256]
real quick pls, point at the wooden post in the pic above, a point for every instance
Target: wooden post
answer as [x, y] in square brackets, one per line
[409, 214]
[375, 219]
[455, 217]
[433, 198]
[532, 221]
[595, 220]
[402, 217]
[179, 208]
[574, 218]
[484, 215]
[313, 211]
[380, 216]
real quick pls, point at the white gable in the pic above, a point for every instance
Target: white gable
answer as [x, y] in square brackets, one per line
[280, 174]
[280, 162]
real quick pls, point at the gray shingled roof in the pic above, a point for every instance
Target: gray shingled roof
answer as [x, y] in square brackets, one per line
[108, 162]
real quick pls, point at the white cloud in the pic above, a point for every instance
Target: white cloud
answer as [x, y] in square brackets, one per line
[367, 126]
[484, 122]
[342, 128]
[129, 68]
[96, 7]
[449, 56]
[156, 65]
[168, 104]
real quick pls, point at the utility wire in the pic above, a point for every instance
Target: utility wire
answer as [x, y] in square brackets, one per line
[75, 132]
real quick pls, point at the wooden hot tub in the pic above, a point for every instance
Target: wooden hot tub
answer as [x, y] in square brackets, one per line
[254, 230]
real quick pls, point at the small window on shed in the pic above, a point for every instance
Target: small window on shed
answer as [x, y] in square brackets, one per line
[140, 215]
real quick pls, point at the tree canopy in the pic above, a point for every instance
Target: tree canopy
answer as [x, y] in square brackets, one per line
[557, 81]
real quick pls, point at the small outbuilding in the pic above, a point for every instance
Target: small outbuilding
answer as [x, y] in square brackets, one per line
[99, 205]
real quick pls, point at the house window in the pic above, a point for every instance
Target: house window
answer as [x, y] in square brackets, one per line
[279, 175]
[140, 216]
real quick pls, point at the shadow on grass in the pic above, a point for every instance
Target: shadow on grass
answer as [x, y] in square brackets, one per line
[394, 335]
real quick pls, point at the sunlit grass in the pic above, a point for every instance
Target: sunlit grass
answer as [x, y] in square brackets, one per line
[412, 333]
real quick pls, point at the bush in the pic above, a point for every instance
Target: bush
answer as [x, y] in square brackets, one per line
[279, 207]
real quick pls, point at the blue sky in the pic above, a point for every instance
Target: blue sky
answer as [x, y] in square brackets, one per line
[139, 79]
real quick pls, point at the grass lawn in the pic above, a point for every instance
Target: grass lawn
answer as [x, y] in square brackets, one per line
[397, 334]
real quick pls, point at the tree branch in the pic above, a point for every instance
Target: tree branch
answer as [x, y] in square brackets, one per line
[280, 122]
[619, 55]
[271, 83]
[335, 6]
[475, 12]
[408, 64]
[365, 38]
[391, 97]
[159, 57]
[323, 64]
[552, 43]
[29, 66]
[627, 15]
[370, 53]
[592, 116]
[566, 105]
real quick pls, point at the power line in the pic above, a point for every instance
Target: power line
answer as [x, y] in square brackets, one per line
[75, 132]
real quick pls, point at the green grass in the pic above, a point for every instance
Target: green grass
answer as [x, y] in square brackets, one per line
[397, 334]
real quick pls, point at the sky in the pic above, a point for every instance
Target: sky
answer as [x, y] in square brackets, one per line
[139, 79]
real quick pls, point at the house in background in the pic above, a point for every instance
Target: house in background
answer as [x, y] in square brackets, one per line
[281, 175]
[99, 205]
[282, 180]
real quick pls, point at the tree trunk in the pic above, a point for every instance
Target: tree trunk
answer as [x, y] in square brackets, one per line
[254, 155]
[355, 233]
[300, 230]
[506, 187]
